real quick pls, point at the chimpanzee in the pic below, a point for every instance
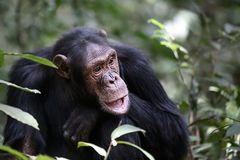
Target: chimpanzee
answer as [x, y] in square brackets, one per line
[98, 85]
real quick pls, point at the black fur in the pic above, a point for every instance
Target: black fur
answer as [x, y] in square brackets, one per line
[166, 132]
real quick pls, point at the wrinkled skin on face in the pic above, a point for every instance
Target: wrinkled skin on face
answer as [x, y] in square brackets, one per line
[103, 80]
[100, 69]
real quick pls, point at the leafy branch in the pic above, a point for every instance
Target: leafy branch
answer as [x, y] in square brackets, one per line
[118, 132]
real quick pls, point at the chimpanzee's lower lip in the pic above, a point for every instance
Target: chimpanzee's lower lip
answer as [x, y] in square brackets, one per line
[116, 101]
[119, 106]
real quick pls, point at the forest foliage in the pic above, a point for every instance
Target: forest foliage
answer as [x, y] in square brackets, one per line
[193, 46]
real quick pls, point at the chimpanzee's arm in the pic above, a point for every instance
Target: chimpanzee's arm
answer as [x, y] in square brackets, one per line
[80, 124]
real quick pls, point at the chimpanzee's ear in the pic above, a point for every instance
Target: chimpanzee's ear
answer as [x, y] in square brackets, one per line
[102, 33]
[62, 63]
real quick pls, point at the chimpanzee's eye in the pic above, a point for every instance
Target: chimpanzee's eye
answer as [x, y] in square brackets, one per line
[97, 69]
[111, 61]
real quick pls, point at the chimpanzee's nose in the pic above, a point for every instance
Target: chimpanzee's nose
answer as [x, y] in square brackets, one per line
[112, 78]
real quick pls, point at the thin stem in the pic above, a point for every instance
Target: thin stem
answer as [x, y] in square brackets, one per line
[111, 144]
[219, 128]
[108, 151]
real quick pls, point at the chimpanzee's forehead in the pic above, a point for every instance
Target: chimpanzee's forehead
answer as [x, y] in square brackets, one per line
[96, 51]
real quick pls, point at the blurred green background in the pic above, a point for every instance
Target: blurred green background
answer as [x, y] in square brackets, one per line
[204, 82]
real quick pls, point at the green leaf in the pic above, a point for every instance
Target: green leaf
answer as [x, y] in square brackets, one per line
[156, 23]
[58, 3]
[19, 87]
[162, 34]
[182, 49]
[172, 46]
[44, 157]
[98, 149]
[61, 158]
[148, 155]
[202, 147]
[216, 136]
[185, 65]
[233, 130]
[194, 138]
[34, 58]
[214, 89]
[19, 115]
[232, 109]
[19, 155]
[184, 106]
[125, 129]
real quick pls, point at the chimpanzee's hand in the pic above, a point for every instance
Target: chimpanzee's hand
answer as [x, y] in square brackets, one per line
[79, 125]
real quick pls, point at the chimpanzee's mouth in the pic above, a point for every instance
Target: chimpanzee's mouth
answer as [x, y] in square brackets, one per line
[119, 106]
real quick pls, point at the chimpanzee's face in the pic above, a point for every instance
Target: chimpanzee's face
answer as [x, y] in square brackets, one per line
[94, 62]
[101, 72]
